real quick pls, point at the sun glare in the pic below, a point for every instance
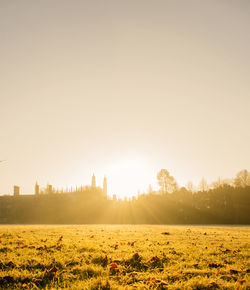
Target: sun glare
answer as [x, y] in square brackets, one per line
[128, 176]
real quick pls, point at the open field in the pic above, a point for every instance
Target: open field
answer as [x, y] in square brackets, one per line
[124, 257]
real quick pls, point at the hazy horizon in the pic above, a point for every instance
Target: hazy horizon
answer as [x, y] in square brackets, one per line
[123, 89]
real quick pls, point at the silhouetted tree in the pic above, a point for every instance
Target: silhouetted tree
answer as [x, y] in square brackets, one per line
[203, 185]
[216, 184]
[242, 178]
[190, 186]
[166, 181]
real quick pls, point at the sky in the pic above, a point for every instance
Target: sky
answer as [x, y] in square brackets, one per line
[123, 89]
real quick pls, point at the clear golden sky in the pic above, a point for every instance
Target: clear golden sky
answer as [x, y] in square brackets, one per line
[123, 88]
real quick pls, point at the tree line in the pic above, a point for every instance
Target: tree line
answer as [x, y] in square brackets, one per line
[219, 203]
[168, 184]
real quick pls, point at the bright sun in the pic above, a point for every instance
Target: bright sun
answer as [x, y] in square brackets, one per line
[126, 177]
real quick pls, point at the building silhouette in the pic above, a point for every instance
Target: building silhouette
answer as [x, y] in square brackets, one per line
[37, 188]
[93, 183]
[49, 188]
[49, 204]
[16, 190]
[105, 187]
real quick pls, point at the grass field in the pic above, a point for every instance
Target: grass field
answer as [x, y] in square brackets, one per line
[124, 257]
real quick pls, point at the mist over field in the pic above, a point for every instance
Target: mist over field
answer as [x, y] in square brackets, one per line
[222, 202]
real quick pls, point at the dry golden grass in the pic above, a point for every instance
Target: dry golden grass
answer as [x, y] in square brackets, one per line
[124, 257]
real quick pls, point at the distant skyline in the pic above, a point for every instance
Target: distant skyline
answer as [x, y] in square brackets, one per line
[123, 89]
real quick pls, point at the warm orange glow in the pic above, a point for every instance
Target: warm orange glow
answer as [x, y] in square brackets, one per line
[82, 80]
[127, 176]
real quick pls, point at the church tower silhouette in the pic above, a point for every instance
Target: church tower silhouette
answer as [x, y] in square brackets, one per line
[93, 183]
[36, 188]
[105, 188]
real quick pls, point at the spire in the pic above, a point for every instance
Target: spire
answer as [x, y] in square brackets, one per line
[37, 188]
[105, 189]
[93, 184]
